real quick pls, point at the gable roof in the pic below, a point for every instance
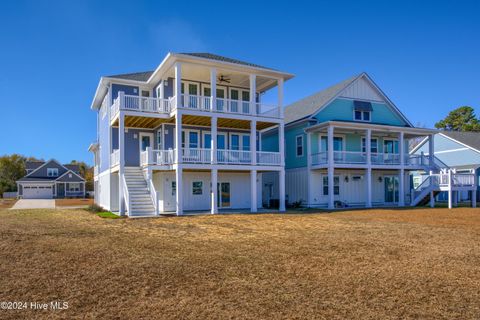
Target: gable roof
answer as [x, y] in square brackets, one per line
[311, 105]
[471, 139]
[73, 167]
[75, 177]
[32, 165]
[216, 57]
[136, 76]
[308, 106]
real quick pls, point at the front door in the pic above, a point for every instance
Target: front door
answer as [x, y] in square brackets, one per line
[391, 189]
[223, 191]
[146, 140]
[170, 195]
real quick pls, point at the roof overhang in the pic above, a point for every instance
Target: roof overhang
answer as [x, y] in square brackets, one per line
[93, 147]
[374, 127]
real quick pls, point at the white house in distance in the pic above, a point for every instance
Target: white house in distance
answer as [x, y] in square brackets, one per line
[187, 136]
[458, 151]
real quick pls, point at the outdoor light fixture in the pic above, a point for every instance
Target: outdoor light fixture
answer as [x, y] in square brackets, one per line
[346, 178]
[380, 179]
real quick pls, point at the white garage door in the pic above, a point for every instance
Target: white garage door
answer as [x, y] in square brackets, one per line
[37, 192]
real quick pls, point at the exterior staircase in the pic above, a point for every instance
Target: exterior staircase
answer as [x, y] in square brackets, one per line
[141, 203]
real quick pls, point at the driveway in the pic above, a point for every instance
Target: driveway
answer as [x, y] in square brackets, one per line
[34, 204]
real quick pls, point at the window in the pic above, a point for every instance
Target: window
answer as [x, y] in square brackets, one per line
[362, 115]
[72, 187]
[197, 187]
[52, 172]
[373, 145]
[245, 142]
[235, 142]
[337, 144]
[174, 188]
[299, 146]
[159, 140]
[336, 185]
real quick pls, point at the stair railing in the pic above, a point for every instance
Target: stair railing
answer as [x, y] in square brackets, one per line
[126, 195]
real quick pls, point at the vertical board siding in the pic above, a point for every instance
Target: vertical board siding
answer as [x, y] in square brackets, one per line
[363, 90]
[296, 185]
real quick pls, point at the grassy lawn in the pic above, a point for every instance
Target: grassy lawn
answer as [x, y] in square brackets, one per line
[7, 203]
[378, 264]
[73, 202]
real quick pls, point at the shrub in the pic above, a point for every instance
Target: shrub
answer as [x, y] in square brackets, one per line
[95, 208]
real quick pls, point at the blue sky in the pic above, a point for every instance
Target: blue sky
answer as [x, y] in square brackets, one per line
[424, 55]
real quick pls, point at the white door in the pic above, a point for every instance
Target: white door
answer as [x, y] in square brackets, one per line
[170, 195]
[146, 140]
[37, 192]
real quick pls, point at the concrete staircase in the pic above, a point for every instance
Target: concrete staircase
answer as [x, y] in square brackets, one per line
[140, 199]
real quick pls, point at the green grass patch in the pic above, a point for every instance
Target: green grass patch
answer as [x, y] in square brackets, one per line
[107, 215]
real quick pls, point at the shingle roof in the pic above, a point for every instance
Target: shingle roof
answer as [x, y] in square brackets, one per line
[136, 76]
[73, 167]
[471, 139]
[216, 57]
[309, 105]
[37, 179]
[32, 165]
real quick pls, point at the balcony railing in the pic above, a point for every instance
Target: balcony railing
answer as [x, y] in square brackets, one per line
[140, 104]
[115, 158]
[204, 156]
[355, 157]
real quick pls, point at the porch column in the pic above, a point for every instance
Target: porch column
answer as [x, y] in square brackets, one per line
[401, 181]
[178, 85]
[213, 88]
[368, 150]
[309, 170]
[213, 141]
[281, 183]
[121, 147]
[253, 142]
[431, 149]
[449, 189]
[280, 97]
[214, 193]
[474, 190]
[281, 143]
[253, 190]
[253, 93]
[162, 89]
[178, 138]
[330, 167]
[179, 194]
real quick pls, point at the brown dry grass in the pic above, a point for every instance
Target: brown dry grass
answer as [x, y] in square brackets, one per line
[378, 264]
[7, 203]
[73, 202]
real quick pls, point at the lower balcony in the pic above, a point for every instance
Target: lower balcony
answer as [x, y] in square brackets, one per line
[204, 156]
[360, 158]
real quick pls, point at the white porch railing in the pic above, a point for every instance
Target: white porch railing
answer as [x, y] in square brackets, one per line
[463, 179]
[115, 158]
[95, 170]
[319, 158]
[234, 157]
[417, 160]
[196, 155]
[352, 157]
[141, 104]
[204, 103]
[386, 158]
[356, 157]
[268, 158]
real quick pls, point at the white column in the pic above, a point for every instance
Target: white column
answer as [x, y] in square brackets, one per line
[179, 194]
[213, 141]
[449, 189]
[401, 181]
[281, 179]
[178, 85]
[253, 93]
[162, 89]
[214, 193]
[178, 137]
[281, 143]
[474, 190]
[368, 150]
[431, 149]
[330, 167]
[253, 141]
[213, 88]
[280, 97]
[121, 148]
[253, 190]
[309, 170]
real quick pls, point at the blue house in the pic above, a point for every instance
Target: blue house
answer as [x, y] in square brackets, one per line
[348, 145]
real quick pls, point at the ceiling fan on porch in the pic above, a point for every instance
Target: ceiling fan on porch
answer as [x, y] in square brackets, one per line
[223, 78]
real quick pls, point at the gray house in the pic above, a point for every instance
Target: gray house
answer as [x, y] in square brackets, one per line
[50, 179]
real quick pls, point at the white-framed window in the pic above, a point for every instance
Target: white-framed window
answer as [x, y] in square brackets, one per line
[174, 188]
[159, 139]
[299, 146]
[240, 141]
[197, 187]
[190, 139]
[221, 140]
[52, 172]
[373, 145]
[72, 187]
[336, 185]
[362, 115]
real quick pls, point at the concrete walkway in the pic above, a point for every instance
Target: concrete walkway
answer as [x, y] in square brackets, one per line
[34, 204]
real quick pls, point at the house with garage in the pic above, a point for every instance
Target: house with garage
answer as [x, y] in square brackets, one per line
[347, 146]
[457, 151]
[50, 179]
[187, 136]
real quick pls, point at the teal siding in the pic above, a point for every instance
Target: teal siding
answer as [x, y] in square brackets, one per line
[291, 159]
[270, 141]
[342, 109]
